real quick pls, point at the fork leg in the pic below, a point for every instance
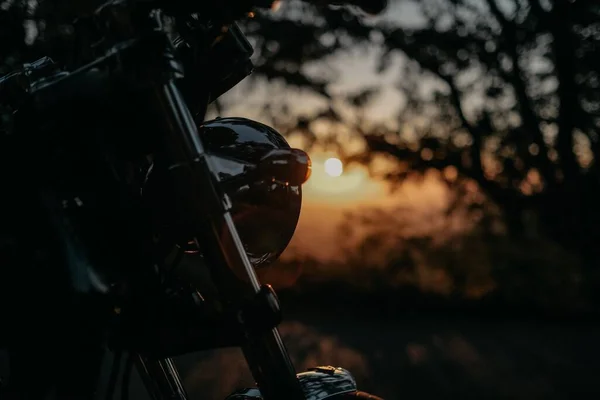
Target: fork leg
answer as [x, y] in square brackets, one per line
[161, 379]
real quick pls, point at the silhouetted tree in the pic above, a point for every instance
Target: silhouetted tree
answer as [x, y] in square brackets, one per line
[513, 101]
[501, 93]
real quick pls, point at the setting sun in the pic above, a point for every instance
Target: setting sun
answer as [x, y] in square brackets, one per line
[333, 167]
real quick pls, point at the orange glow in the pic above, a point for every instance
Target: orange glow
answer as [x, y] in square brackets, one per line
[308, 173]
[331, 184]
[276, 5]
[308, 169]
[327, 199]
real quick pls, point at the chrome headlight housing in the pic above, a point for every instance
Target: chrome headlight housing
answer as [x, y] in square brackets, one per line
[262, 176]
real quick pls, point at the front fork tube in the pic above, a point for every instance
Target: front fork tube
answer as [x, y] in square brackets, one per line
[208, 206]
[161, 378]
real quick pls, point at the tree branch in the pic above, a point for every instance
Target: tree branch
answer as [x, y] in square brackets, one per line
[564, 59]
[517, 80]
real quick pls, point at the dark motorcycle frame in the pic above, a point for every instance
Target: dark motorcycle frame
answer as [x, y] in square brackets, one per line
[106, 118]
[108, 183]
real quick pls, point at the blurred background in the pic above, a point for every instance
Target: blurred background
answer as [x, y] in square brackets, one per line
[448, 244]
[453, 250]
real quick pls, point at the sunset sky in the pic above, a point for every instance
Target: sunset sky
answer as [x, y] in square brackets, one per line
[327, 199]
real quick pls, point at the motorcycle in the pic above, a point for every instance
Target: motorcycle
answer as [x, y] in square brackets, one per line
[132, 225]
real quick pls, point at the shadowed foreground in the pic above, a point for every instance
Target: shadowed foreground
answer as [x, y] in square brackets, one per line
[422, 357]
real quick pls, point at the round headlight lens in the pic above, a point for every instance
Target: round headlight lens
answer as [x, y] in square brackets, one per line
[262, 176]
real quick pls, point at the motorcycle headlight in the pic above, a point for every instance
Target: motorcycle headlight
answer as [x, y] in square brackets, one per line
[262, 176]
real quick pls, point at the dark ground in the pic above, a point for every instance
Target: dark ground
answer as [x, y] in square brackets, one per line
[423, 356]
[433, 357]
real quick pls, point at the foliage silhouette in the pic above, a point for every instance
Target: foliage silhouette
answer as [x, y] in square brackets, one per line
[514, 104]
[500, 93]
